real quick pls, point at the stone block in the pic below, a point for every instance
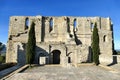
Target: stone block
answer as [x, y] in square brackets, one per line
[42, 60]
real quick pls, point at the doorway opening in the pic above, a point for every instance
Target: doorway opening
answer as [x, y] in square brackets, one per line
[56, 56]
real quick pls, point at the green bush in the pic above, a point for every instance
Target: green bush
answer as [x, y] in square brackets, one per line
[2, 59]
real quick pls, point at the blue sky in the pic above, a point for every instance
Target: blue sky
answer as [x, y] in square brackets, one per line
[103, 8]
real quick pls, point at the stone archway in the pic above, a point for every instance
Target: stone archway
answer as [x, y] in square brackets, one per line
[56, 56]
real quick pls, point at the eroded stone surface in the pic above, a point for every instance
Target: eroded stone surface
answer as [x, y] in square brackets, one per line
[70, 36]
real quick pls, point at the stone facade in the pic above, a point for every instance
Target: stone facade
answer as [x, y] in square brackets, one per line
[59, 40]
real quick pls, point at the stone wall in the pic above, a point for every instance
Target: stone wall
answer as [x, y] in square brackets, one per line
[74, 33]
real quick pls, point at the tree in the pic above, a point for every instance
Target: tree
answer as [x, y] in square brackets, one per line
[0, 46]
[2, 58]
[95, 45]
[0, 43]
[31, 44]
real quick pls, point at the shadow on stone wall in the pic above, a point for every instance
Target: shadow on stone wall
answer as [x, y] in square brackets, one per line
[78, 42]
[43, 29]
[21, 56]
[114, 61]
[40, 52]
[89, 59]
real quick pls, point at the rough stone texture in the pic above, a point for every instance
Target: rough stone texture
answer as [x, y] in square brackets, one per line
[69, 36]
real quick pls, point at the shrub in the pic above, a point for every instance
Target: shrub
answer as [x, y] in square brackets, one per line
[2, 59]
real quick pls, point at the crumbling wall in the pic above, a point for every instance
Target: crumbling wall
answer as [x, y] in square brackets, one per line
[67, 30]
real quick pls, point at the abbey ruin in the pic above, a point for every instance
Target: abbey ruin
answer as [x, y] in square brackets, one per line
[59, 40]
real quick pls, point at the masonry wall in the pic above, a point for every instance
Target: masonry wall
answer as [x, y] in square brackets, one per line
[65, 30]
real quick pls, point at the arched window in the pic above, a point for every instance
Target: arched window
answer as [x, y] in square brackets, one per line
[92, 26]
[104, 38]
[75, 24]
[51, 25]
[26, 23]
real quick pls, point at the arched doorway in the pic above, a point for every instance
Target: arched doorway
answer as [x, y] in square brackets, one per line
[56, 56]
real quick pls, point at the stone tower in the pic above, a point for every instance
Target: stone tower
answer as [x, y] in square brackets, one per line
[59, 40]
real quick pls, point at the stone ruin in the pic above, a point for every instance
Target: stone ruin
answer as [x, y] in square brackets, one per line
[59, 40]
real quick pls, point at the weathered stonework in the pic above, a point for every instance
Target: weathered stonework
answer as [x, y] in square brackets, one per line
[64, 40]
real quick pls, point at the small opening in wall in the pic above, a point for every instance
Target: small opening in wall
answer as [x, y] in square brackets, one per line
[69, 59]
[51, 25]
[26, 23]
[71, 35]
[75, 24]
[15, 19]
[104, 38]
[38, 19]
